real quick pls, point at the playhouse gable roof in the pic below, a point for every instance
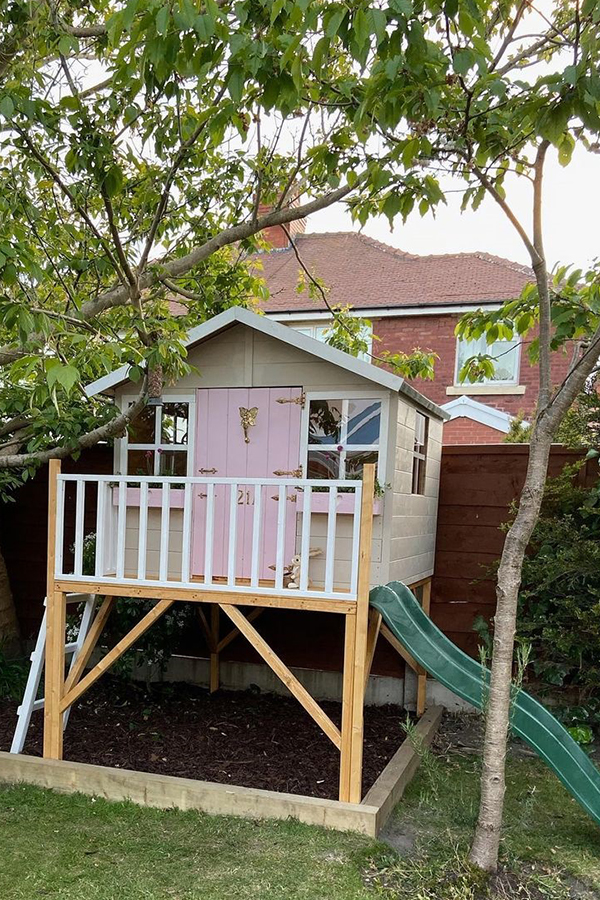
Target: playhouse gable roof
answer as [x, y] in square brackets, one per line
[260, 323]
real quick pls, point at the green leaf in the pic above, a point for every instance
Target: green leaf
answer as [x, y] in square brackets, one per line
[113, 181]
[463, 60]
[7, 107]
[162, 20]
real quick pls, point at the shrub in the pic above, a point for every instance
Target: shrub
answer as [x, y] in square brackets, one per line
[560, 591]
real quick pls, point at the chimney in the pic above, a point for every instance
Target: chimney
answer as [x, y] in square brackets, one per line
[275, 235]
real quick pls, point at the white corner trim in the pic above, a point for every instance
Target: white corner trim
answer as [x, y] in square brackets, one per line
[466, 407]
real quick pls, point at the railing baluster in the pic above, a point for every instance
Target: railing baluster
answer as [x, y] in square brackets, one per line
[330, 546]
[121, 524]
[280, 537]
[165, 516]
[186, 537]
[256, 523]
[100, 530]
[232, 535]
[356, 539]
[305, 544]
[210, 533]
[79, 522]
[143, 531]
[60, 527]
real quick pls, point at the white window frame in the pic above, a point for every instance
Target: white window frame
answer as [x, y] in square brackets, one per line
[420, 456]
[124, 445]
[488, 381]
[332, 394]
[320, 325]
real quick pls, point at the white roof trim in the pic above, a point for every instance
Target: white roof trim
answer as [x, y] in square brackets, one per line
[386, 312]
[466, 407]
[239, 314]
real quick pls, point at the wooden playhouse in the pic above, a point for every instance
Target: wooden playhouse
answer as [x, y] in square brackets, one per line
[282, 473]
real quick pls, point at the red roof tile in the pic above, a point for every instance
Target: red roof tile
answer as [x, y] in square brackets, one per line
[366, 274]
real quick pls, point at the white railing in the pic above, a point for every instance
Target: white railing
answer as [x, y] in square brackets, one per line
[220, 533]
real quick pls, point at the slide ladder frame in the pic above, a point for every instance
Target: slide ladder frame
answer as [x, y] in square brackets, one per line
[31, 702]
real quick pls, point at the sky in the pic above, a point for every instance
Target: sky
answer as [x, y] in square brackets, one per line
[571, 219]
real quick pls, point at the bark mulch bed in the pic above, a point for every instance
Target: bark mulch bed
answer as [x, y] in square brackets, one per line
[244, 738]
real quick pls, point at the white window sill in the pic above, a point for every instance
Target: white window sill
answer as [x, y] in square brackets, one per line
[458, 390]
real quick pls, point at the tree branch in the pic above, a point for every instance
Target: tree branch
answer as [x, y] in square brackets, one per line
[114, 428]
[180, 266]
[541, 275]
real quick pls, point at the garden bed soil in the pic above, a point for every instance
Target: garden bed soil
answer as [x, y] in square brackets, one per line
[244, 738]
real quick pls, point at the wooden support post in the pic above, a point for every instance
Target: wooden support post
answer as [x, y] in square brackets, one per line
[56, 614]
[347, 692]
[422, 675]
[362, 629]
[215, 662]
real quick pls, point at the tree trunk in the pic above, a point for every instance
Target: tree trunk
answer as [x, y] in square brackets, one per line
[486, 842]
[9, 626]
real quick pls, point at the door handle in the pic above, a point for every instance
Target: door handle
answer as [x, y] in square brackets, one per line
[207, 471]
[295, 473]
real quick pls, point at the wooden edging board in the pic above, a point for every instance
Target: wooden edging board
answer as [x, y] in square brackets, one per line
[167, 791]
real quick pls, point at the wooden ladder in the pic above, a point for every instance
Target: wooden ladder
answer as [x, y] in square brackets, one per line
[30, 699]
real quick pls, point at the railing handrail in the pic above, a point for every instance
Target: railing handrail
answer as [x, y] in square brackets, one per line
[356, 484]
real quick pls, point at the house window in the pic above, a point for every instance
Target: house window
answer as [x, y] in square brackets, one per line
[343, 435]
[419, 465]
[505, 353]
[157, 441]
[320, 332]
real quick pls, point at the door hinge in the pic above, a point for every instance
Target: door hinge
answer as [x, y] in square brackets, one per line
[295, 473]
[300, 400]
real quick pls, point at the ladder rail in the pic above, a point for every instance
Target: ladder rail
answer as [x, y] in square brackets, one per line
[30, 701]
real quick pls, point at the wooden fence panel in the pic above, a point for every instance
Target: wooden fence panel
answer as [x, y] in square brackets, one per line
[478, 484]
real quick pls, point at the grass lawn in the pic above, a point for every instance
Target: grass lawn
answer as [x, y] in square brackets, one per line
[72, 847]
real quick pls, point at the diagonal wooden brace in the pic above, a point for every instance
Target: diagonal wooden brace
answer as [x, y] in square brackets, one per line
[282, 671]
[117, 651]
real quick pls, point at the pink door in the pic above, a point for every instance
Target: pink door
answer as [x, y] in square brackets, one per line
[272, 448]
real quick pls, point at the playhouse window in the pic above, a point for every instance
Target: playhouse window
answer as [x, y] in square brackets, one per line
[343, 435]
[157, 442]
[420, 453]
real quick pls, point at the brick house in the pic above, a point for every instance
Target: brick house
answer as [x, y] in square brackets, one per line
[414, 301]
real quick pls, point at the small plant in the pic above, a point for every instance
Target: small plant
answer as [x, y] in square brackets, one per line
[431, 769]
[13, 675]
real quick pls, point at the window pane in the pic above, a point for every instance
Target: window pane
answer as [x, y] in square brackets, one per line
[323, 464]
[421, 423]
[140, 462]
[141, 431]
[418, 475]
[506, 354]
[173, 462]
[364, 422]
[356, 459]
[174, 423]
[324, 421]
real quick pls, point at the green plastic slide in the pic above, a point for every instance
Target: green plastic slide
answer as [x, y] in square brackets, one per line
[465, 677]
